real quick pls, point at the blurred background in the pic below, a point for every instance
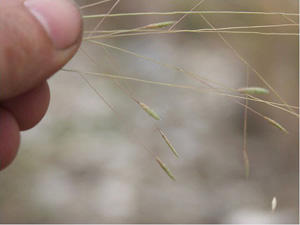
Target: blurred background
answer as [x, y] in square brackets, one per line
[81, 164]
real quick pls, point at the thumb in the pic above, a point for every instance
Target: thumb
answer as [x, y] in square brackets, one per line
[37, 37]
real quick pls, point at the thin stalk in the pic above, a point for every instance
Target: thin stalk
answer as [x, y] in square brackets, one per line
[139, 29]
[185, 15]
[94, 4]
[247, 64]
[101, 21]
[165, 84]
[192, 75]
[186, 12]
[127, 33]
[245, 151]
[117, 114]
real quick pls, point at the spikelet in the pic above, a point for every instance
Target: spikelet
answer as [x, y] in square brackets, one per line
[274, 203]
[276, 124]
[253, 90]
[168, 143]
[159, 25]
[165, 168]
[150, 112]
[247, 164]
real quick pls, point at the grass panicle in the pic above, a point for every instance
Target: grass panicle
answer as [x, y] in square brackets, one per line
[165, 168]
[154, 28]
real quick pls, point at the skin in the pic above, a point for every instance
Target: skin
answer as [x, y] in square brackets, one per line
[37, 38]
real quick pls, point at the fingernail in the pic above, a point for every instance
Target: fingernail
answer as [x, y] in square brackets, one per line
[60, 18]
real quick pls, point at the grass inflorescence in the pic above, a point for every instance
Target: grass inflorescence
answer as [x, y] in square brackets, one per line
[97, 37]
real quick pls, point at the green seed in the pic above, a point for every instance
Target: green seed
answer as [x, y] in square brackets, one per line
[253, 90]
[169, 143]
[165, 168]
[159, 25]
[276, 124]
[150, 112]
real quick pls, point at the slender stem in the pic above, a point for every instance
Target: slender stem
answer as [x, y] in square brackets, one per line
[187, 12]
[245, 151]
[185, 15]
[117, 114]
[94, 4]
[277, 105]
[101, 21]
[247, 64]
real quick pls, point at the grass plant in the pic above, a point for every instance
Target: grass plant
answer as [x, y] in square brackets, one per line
[98, 37]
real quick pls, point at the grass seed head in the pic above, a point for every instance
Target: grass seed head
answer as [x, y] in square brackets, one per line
[276, 124]
[169, 143]
[150, 112]
[253, 90]
[159, 25]
[165, 168]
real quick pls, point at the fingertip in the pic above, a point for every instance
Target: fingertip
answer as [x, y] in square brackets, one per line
[29, 108]
[9, 138]
[61, 19]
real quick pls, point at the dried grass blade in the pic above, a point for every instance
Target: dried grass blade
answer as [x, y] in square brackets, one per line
[165, 168]
[247, 164]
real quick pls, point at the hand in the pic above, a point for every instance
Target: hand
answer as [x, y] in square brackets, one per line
[37, 37]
